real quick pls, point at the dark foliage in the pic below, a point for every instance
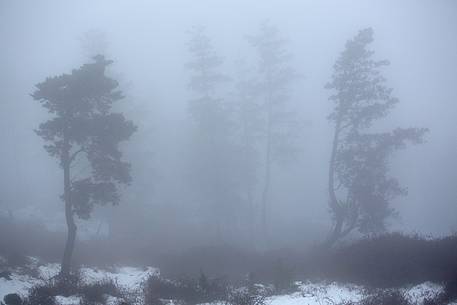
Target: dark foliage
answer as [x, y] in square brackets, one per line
[5, 275]
[447, 296]
[245, 297]
[388, 261]
[93, 293]
[19, 239]
[450, 289]
[384, 297]
[12, 299]
[64, 286]
[283, 277]
[187, 290]
[96, 292]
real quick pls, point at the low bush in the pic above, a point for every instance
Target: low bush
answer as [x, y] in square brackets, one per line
[187, 290]
[12, 299]
[448, 296]
[97, 292]
[382, 297]
[90, 293]
[390, 260]
[159, 291]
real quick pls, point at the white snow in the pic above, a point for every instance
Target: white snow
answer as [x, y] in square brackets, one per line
[319, 294]
[49, 270]
[417, 294]
[19, 284]
[333, 293]
[71, 300]
[127, 277]
[130, 278]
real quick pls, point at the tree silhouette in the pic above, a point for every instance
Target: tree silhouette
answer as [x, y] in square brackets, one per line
[275, 75]
[84, 131]
[360, 188]
[213, 170]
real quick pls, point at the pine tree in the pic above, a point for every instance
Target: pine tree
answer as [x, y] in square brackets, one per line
[275, 76]
[360, 188]
[213, 170]
[84, 130]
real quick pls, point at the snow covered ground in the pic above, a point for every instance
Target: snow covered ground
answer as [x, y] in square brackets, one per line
[22, 280]
[333, 293]
[131, 278]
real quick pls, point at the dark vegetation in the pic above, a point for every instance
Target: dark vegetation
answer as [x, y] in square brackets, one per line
[188, 290]
[93, 293]
[385, 261]
[155, 291]
[19, 239]
[448, 295]
[390, 260]
[384, 297]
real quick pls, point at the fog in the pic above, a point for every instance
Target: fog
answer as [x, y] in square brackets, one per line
[148, 42]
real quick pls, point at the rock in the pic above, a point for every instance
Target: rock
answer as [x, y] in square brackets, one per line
[12, 299]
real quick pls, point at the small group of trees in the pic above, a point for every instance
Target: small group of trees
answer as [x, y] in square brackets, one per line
[239, 138]
[236, 140]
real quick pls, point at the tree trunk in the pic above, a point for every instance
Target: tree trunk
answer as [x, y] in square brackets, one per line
[266, 188]
[71, 226]
[265, 192]
[333, 201]
[336, 233]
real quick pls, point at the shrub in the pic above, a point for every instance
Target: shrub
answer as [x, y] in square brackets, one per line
[12, 299]
[244, 296]
[389, 260]
[187, 290]
[450, 289]
[383, 297]
[97, 292]
[92, 293]
[283, 277]
[448, 295]
[45, 292]
[157, 288]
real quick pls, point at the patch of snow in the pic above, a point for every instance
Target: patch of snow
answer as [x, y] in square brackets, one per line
[19, 284]
[49, 270]
[127, 277]
[319, 294]
[417, 294]
[110, 300]
[130, 278]
[71, 300]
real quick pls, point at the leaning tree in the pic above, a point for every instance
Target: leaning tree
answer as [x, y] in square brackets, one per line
[360, 187]
[84, 134]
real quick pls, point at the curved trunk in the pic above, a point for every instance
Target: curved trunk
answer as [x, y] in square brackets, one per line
[336, 233]
[71, 226]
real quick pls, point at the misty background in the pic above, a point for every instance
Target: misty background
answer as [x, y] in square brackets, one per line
[148, 42]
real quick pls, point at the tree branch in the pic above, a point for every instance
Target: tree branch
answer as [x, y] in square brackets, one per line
[75, 154]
